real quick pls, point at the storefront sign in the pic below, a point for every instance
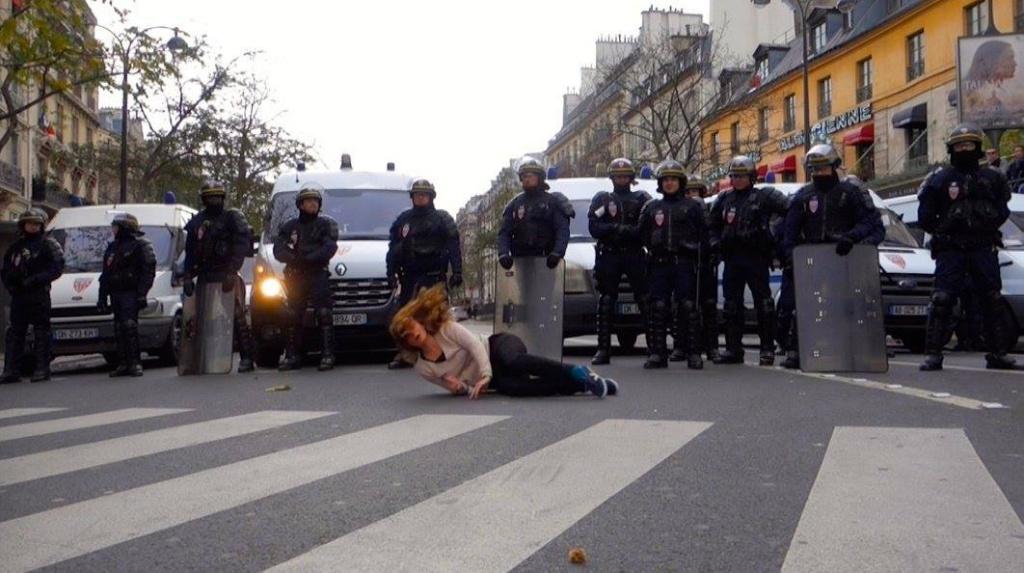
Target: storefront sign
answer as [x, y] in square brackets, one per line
[823, 130]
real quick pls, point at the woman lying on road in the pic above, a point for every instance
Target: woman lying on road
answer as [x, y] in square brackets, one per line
[449, 355]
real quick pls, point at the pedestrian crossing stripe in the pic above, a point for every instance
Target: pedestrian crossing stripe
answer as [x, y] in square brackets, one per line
[19, 412]
[31, 429]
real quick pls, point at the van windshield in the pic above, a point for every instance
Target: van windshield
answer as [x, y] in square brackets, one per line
[362, 214]
[84, 246]
[896, 232]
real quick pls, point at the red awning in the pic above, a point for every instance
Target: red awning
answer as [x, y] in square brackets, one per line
[787, 165]
[762, 170]
[865, 134]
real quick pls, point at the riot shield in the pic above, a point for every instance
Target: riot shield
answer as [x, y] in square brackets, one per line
[207, 331]
[839, 310]
[528, 304]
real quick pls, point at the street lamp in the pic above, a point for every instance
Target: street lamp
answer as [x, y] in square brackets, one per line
[804, 8]
[125, 43]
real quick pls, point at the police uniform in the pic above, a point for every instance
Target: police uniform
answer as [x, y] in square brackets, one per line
[827, 210]
[613, 219]
[674, 231]
[962, 206]
[707, 286]
[535, 223]
[306, 245]
[741, 232]
[129, 266]
[217, 242]
[30, 265]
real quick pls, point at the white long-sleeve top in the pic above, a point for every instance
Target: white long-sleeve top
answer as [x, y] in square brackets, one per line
[466, 357]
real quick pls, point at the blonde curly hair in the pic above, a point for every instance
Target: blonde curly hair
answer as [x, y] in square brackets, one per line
[429, 308]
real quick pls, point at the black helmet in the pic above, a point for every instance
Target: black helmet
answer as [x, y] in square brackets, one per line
[531, 165]
[966, 133]
[670, 168]
[822, 155]
[423, 186]
[33, 215]
[743, 165]
[212, 189]
[621, 167]
[695, 183]
[126, 221]
[310, 190]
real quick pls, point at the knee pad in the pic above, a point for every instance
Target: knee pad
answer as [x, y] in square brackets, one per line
[730, 309]
[942, 304]
[687, 307]
[129, 324]
[607, 300]
[658, 306]
[766, 306]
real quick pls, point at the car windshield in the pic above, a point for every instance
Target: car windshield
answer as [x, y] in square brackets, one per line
[579, 231]
[362, 214]
[84, 246]
[1013, 231]
[896, 232]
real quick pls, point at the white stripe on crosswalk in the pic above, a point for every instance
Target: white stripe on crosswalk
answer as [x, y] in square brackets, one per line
[44, 427]
[18, 412]
[63, 533]
[74, 458]
[905, 499]
[506, 515]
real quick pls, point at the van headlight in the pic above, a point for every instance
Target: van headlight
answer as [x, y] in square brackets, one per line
[577, 279]
[271, 287]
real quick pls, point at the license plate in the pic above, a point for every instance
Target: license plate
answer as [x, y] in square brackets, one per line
[908, 310]
[349, 319]
[629, 308]
[76, 333]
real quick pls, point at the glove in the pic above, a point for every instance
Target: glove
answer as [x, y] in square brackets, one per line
[189, 287]
[553, 260]
[141, 303]
[505, 261]
[103, 306]
[229, 283]
[455, 280]
[844, 246]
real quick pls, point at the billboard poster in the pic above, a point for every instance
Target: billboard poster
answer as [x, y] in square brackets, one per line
[990, 75]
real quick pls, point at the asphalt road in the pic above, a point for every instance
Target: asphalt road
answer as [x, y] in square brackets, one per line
[735, 468]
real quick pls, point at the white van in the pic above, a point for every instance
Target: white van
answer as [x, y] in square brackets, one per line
[83, 232]
[364, 204]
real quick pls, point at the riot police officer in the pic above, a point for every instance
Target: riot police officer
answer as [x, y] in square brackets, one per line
[535, 223]
[741, 233]
[424, 242]
[962, 206]
[129, 266]
[707, 285]
[614, 222]
[217, 242]
[305, 245]
[30, 265]
[674, 231]
[826, 210]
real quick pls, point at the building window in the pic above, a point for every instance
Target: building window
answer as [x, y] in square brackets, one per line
[917, 148]
[734, 134]
[915, 56]
[89, 136]
[715, 143]
[1018, 16]
[865, 79]
[824, 97]
[976, 18]
[848, 21]
[15, 150]
[762, 125]
[60, 123]
[895, 5]
[762, 69]
[819, 37]
[789, 113]
[74, 129]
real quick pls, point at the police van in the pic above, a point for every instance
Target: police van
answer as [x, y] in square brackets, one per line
[83, 233]
[365, 204]
[1011, 256]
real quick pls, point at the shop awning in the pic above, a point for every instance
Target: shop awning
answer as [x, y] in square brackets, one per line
[865, 134]
[787, 165]
[913, 117]
[762, 170]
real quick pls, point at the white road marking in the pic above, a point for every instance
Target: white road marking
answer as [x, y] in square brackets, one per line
[44, 427]
[18, 412]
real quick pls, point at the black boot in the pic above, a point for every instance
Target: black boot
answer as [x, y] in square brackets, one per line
[792, 361]
[733, 335]
[995, 335]
[122, 352]
[326, 348]
[291, 359]
[134, 355]
[41, 349]
[656, 345]
[766, 331]
[939, 315]
[679, 343]
[792, 345]
[14, 348]
[605, 308]
[690, 328]
[246, 347]
[709, 327]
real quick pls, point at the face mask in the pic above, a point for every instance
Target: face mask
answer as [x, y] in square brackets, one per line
[825, 182]
[964, 160]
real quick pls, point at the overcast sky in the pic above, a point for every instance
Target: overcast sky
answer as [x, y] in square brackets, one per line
[447, 90]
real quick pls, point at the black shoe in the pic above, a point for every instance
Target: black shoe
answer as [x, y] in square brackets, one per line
[135, 370]
[713, 355]
[767, 358]
[730, 357]
[601, 357]
[9, 378]
[398, 364]
[792, 361]
[326, 363]
[289, 363]
[695, 362]
[655, 361]
[999, 362]
[931, 363]
[43, 376]
[245, 365]
[678, 355]
[120, 371]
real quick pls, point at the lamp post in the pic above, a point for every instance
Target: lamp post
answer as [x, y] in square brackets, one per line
[804, 9]
[125, 43]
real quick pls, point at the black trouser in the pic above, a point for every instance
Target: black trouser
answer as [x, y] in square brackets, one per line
[673, 277]
[786, 332]
[125, 305]
[309, 288]
[412, 282]
[609, 266]
[33, 310]
[517, 373]
[707, 299]
[954, 269]
[742, 271]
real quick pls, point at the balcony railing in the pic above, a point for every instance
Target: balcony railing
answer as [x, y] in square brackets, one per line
[11, 178]
[915, 70]
[864, 93]
[824, 109]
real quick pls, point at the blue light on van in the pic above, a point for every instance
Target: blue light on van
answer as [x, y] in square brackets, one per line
[552, 172]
